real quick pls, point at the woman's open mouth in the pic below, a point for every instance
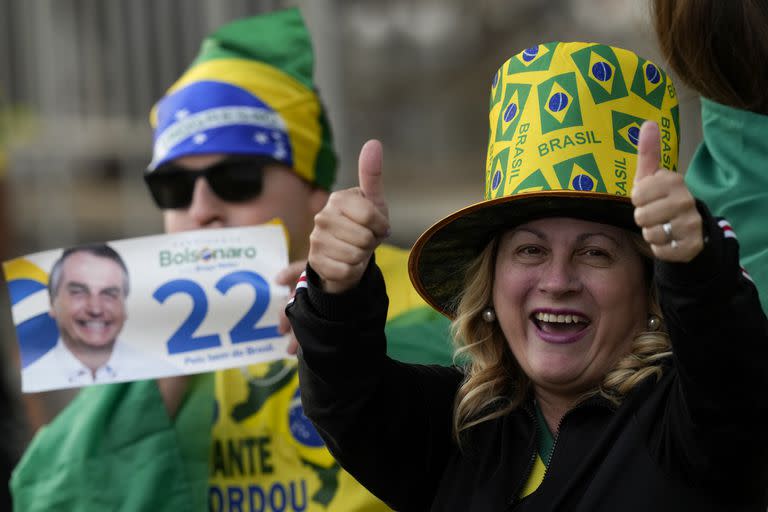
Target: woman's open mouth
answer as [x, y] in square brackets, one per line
[560, 327]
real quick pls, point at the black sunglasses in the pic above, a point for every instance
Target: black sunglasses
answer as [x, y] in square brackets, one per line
[235, 179]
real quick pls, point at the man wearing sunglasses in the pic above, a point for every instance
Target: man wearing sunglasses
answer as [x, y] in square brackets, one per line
[240, 139]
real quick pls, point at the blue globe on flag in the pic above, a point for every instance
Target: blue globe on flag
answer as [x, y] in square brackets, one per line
[558, 102]
[602, 71]
[530, 53]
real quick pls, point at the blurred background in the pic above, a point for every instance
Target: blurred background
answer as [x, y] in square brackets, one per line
[78, 78]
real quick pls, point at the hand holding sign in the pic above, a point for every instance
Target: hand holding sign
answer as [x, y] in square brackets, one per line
[664, 207]
[287, 277]
[351, 226]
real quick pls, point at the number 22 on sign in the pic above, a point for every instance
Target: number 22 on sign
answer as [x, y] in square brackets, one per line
[186, 338]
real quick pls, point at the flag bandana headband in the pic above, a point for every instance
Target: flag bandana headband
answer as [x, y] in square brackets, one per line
[564, 126]
[249, 92]
[216, 117]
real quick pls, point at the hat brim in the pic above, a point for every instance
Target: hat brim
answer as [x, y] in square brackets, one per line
[439, 258]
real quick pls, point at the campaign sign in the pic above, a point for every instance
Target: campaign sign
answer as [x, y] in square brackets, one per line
[148, 307]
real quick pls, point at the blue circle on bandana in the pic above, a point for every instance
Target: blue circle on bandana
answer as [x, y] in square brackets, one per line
[558, 102]
[496, 181]
[495, 79]
[583, 183]
[301, 428]
[530, 53]
[652, 74]
[510, 112]
[634, 134]
[602, 71]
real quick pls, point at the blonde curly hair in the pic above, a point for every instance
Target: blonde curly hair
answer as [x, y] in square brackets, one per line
[494, 383]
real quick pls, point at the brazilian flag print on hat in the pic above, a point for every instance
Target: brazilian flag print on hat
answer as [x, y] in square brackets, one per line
[250, 91]
[564, 126]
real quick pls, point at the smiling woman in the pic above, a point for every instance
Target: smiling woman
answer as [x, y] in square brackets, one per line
[570, 297]
[586, 306]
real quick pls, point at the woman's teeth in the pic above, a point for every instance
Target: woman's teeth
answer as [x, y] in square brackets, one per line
[560, 319]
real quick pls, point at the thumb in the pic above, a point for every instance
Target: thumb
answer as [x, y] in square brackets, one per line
[648, 150]
[369, 172]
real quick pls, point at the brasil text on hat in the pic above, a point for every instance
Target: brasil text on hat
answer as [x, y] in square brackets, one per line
[249, 92]
[564, 125]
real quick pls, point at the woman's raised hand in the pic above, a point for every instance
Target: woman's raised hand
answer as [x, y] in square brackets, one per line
[664, 207]
[351, 225]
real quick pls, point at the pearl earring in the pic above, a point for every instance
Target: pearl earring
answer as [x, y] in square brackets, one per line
[654, 323]
[489, 315]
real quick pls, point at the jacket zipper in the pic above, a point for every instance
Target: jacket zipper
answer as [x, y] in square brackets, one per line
[516, 495]
[554, 445]
[587, 403]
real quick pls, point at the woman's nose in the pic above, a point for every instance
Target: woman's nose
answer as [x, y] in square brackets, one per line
[559, 277]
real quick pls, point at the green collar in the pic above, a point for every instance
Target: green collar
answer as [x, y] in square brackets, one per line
[546, 439]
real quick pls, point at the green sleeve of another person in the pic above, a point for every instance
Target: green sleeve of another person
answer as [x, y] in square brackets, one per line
[729, 172]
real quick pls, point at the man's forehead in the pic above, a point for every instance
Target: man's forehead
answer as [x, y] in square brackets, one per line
[89, 264]
[196, 162]
[202, 161]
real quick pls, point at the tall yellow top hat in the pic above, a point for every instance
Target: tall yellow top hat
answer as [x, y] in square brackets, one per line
[564, 125]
